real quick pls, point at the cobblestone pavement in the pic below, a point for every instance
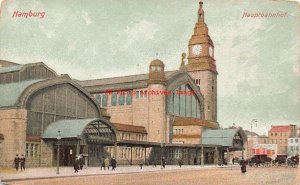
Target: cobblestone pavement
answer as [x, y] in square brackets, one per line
[172, 175]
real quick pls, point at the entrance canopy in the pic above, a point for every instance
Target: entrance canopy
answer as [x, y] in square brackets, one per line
[93, 130]
[232, 138]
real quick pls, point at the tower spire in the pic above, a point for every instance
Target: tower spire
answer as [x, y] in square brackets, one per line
[200, 12]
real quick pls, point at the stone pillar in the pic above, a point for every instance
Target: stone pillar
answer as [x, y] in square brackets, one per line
[77, 148]
[228, 156]
[216, 156]
[202, 156]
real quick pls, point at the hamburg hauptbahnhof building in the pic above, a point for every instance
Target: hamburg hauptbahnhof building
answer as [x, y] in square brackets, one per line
[135, 119]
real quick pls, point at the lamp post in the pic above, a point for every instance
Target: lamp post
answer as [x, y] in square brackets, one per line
[58, 139]
[252, 122]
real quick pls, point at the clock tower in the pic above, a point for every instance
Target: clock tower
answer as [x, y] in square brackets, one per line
[202, 65]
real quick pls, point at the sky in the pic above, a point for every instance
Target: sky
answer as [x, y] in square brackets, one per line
[257, 58]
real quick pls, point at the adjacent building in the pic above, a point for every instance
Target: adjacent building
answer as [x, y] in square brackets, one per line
[280, 135]
[293, 146]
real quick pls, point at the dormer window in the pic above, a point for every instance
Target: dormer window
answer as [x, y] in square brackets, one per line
[158, 68]
[152, 68]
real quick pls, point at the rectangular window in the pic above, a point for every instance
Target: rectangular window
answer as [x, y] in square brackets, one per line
[128, 99]
[27, 150]
[121, 99]
[137, 94]
[31, 150]
[104, 100]
[296, 140]
[114, 97]
[36, 150]
[292, 140]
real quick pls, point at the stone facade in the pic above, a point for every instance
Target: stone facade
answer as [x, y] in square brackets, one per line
[13, 126]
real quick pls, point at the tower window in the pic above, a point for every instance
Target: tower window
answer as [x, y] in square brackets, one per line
[197, 81]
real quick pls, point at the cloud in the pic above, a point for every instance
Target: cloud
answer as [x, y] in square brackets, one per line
[139, 32]
[86, 18]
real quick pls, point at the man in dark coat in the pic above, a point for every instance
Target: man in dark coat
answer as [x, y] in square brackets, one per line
[163, 162]
[243, 166]
[180, 162]
[17, 161]
[113, 163]
[76, 165]
[22, 161]
[102, 164]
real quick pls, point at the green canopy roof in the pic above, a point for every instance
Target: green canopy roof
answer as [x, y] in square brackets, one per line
[95, 128]
[10, 92]
[223, 137]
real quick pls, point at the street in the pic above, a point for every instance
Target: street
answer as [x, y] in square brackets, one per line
[184, 176]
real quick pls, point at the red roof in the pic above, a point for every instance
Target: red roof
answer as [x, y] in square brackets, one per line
[285, 128]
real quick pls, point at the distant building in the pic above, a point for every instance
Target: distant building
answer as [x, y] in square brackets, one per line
[293, 146]
[279, 135]
[253, 140]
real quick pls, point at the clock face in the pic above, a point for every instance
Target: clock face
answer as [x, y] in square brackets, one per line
[197, 49]
[211, 51]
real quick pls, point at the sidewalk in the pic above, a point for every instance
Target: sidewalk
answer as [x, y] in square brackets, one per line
[33, 173]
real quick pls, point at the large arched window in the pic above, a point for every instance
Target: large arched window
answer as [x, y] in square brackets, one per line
[184, 102]
[58, 102]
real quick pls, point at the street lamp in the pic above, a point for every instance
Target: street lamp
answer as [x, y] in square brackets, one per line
[252, 122]
[58, 139]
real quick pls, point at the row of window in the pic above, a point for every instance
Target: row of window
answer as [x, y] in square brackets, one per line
[178, 131]
[141, 94]
[294, 148]
[116, 99]
[279, 134]
[278, 141]
[128, 136]
[176, 153]
[32, 150]
[292, 140]
[126, 152]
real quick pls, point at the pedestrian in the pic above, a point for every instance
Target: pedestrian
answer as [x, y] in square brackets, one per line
[17, 161]
[81, 162]
[154, 163]
[163, 162]
[113, 163]
[22, 161]
[195, 160]
[243, 166]
[180, 162]
[102, 164]
[106, 162]
[76, 165]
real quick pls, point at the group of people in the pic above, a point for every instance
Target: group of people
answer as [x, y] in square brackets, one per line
[78, 163]
[19, 162]
[105, 163]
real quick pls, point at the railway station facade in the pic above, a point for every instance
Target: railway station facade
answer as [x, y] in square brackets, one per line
[135, 119]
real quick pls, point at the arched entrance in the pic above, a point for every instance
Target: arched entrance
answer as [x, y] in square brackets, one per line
[86, 137]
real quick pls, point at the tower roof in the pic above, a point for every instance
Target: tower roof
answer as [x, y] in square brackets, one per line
[157, 62]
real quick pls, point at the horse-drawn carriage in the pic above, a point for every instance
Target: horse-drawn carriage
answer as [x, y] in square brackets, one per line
[292, 161]
[260, 160]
